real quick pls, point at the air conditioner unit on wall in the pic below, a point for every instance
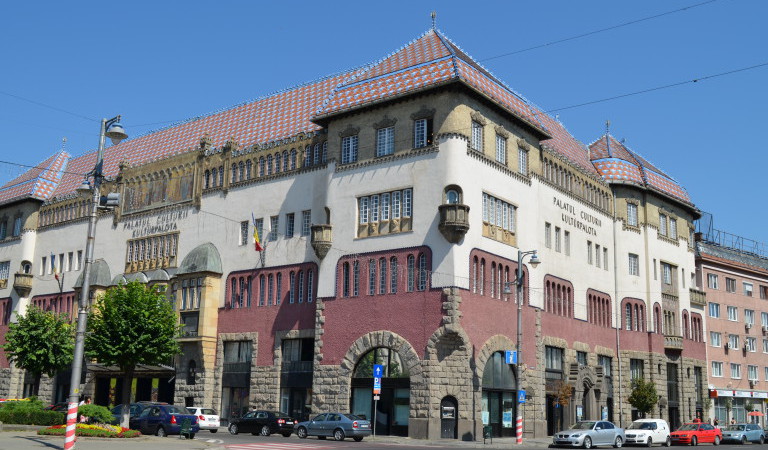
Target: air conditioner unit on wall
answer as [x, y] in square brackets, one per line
[765, 328]
[748, 325]
[730, 346]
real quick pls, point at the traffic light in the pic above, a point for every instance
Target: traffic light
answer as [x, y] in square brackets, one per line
[111, 200]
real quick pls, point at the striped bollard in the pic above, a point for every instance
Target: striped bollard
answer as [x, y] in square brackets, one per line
[519, 429]
[70, 436]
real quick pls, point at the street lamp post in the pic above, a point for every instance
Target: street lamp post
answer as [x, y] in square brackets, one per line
[534, 261]
[114, 130]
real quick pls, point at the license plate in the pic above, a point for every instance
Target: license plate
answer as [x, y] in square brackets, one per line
[363, 426]
[289, 423]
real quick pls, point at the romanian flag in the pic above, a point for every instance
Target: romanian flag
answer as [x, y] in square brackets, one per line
[256, 242]
[55, 267]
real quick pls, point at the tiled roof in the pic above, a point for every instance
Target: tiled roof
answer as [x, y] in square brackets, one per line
[616, 162]
[565, 144]
[39, 182]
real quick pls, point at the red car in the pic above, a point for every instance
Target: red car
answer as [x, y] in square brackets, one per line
[695, 433]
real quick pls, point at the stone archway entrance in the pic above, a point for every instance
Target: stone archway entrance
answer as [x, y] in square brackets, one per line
[587, 395]
[392, 410]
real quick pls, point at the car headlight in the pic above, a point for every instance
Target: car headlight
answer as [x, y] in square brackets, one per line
[576, 435]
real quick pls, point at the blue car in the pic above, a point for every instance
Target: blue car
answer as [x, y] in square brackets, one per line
[743, 433]
[162, 420]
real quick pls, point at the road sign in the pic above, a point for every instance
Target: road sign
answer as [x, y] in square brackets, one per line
[376, 397]
[521, 396]
[510, 357]
[378, 371]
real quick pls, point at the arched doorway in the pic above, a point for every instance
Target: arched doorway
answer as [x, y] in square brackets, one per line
[393, 406]
[449, 415]
[499, 396]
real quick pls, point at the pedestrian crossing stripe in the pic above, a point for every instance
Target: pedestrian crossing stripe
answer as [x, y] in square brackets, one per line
[277, 446]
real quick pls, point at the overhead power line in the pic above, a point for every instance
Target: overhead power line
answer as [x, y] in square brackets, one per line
[590, 33]
[34, 102]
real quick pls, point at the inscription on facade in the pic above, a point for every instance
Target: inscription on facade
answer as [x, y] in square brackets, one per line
[163, 223]
[581, 220]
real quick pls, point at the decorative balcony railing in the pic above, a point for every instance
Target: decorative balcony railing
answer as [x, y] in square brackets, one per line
[698, 297]
[673, 342]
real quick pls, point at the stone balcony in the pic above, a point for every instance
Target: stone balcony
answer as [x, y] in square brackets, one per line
[673, 342]
[22, 283]
[454, 221]
[322, 239]
[698, 298]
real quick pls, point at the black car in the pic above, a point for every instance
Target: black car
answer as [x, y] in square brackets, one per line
[263, 423]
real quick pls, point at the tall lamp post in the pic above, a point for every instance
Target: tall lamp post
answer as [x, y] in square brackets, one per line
[534, 261]
[112, 129]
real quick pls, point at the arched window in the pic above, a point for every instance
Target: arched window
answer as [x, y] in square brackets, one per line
[411, 268]
[279, 288]
[234, 173]
[248, 166]
[389, 359]
[628, 320]
[262, 289]
[292, 287]
[250, 286]
[307, 157]
[241, 171]
[474, 275]
[269, 164]
[300, 288]
[233, 295]
[382, 276]
[316, 155]
[277, 162]
[214, 177]
[482, 277]
[310, 285]
[221, 175]
[493, 279]
[355, 278]
[271, 291]
[285, 161]
[293, 159]
[372, 277]
[241, 295]
[637, 317]
[262, 164]
[393, 270]
[325, 151]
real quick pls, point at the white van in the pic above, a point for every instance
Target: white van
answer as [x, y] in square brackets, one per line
[648, 432]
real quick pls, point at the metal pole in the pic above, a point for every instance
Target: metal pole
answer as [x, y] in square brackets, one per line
[518, 372]
[82, 314]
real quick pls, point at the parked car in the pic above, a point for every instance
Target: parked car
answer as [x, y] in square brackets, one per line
[134, 411]
[334, 424]
[263, 423]
[696, 433]
[743, 433]
[589, 433]
[207, 418]
[59, 406]
[162, 420]
[648, 432]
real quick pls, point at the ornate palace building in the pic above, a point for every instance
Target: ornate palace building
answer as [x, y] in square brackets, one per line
[391, 201]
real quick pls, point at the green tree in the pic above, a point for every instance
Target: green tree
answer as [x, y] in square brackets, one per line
[132, 324]
[41, 342]
[643, 396]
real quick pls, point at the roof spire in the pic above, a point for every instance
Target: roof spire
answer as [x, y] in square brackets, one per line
[434, 20]
[608, 136]
[63, 143]
[607, 127]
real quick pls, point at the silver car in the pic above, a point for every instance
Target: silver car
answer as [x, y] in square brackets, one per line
[743, 433]
[337, 425]
[590, 433]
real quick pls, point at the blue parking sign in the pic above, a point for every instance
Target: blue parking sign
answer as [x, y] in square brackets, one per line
[521, 396]
[510, 357]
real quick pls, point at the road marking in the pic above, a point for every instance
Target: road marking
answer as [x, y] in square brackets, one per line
[277, 446]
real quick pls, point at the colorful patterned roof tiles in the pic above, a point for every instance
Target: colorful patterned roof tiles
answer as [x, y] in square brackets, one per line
[564, 143]
[39, 182]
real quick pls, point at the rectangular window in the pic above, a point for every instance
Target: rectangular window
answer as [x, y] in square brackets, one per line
[290, 219]
[554, 358]
[477, 136]
[733, 341]
[735, 371]
[605, 258]
[765, 345]
[751, 344]
[385, 206]
[714, 310]
[349, 149]
[730, 285]
[764, 319]
[70, 261]
[558, 242]
[407, 202]
[244, 225]
[666, 273]
[663, 224]
[363, 210]
[548, 235]
[733, 313]
[632, 214]
[605, 363]
[715, 339]
[385, 141]
[522, 156]
[717, 369]
[749, 316]
[374, 208]
[274, 224]
[5, 270]
[422, 133]
[3, 229]
[501, 149]
[499, 213]
[79, 261]
[712, 281]
[597, 255]
[52, 267]
[306, 222]
[763, 292]
[636, 369]
[589, 252]
[747, 289]
[673, 228]
[17, 226]
[581, 358]
[634, 264]
[567, 242]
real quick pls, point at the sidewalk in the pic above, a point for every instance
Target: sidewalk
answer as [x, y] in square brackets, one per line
[29, 440]
[507, 442]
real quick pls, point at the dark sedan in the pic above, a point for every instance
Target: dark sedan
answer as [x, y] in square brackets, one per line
[162, 420]
[263, 423]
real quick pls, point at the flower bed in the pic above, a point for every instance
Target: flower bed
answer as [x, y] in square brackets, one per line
[100, 430]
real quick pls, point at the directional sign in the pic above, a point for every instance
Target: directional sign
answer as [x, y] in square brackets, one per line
[378, 371]
[510, 357]
[521, 396]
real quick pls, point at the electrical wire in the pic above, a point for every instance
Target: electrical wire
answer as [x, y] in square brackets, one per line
[34, 102]
[590, 33]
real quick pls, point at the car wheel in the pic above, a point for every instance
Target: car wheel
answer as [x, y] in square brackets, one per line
[160, 432]
[587, 442]
[265, 431]
[338, 434]
[743, 440]
[286, 434]
[668, 442]
[649, 443]
[301, 433]
[695, 441]
[617, 443]
[233, 428]
[191, 436]
[717, 440]
[358, 438]
[213, 431]
[762, 440]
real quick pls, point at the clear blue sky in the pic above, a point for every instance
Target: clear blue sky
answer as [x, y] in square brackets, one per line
[163, 61]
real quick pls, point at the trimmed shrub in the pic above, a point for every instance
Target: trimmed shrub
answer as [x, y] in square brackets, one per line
[25, 416]
[95, 413]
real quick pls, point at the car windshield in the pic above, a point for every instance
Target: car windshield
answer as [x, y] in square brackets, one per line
[353, 417]
[209, 411]
[689, 427]
[735, 428]
[175, 410]
[583, 426]
[641, 426]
